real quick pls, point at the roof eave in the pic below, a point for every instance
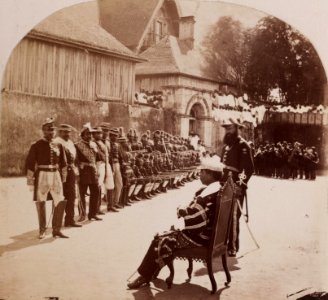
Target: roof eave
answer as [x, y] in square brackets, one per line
[82, 45]
[183, 74]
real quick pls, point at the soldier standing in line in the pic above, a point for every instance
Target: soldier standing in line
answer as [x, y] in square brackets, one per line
[46, 166]
[238, 161]
[101, 164]
[109, 179]
[314, 163]
[64, 138]
[116, 160]
[87, 156]
[126, 170]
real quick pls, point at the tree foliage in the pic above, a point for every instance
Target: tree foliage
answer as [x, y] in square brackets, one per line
[270, 55]
[224, 50]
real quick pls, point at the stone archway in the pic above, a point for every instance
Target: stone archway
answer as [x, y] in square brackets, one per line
[202, 102]
[196, 115]
[197, 119]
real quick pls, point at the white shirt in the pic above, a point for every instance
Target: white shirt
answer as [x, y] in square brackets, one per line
[212, 188]
[69, 145]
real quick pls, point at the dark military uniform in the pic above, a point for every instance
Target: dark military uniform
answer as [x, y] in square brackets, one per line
[87, 156]
[46, 166]
[116, 161]
[70, 185]
[239, 164]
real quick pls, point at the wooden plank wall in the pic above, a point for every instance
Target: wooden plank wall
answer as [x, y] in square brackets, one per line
[47, 69]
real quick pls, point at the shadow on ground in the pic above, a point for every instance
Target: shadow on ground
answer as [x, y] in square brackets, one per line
[29, 239]
[25, 240]
[217, 266]
[178, 291]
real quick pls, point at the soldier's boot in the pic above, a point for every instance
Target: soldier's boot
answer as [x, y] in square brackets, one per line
[110, 206]
[137, 192]
[109, 196]
[126, 196]
[57, 219]
[99, 212]
[131, 189]
[82, 210]
[41, 210]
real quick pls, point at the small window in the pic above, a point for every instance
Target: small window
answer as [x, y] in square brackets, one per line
[158, 31]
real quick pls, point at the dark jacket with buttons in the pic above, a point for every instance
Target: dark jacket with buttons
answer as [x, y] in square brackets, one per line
[45, 153]
[239, 161]
[87, 156]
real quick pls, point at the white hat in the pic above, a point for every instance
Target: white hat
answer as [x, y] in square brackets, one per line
[87, 126]
[212, 163]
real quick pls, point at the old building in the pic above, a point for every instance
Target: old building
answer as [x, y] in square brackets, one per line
[69, 67]
[164, 35]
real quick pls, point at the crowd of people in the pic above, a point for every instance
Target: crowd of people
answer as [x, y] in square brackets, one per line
[226, 105]
[154, 98]
[286, 160]
[106, 165]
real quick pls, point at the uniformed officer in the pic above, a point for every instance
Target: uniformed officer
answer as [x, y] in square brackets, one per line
[87, 156]
[126, 170]
[238, 160]
[314, 162]
[101, 164]
[64, 138]
[109, 178]
[116, 160]
[46, 166]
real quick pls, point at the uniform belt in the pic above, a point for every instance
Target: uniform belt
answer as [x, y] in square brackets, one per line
[48, 168]
[231, 169]
[115, 160]
[86, 164]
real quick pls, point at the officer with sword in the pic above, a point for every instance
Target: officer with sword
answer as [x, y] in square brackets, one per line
[238, 159]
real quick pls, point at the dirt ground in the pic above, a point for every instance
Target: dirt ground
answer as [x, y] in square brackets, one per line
[288, 219]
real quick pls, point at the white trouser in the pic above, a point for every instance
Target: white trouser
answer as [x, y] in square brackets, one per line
[49, 182]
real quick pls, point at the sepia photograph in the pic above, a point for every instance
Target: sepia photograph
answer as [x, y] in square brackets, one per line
[163, 149]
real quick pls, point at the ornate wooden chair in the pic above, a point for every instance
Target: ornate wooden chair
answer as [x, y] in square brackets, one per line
[218, 242]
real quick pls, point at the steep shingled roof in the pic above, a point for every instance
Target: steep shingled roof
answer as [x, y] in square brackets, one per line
[127, 19]
[79, 24]
[170, 56]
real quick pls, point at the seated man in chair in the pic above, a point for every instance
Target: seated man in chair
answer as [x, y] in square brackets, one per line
[198, 218]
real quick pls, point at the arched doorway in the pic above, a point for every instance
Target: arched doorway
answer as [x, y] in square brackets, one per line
[196, 113]
[197, 119]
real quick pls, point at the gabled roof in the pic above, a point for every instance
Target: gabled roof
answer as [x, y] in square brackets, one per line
[79, 25]
[127, 20]
[171, 56]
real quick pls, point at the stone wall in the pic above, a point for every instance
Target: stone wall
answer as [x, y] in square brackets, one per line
[21, 116]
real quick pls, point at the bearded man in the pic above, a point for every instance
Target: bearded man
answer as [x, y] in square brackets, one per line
[238, 160]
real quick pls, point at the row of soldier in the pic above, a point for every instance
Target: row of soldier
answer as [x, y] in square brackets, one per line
[105, 165]
[286, 160]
